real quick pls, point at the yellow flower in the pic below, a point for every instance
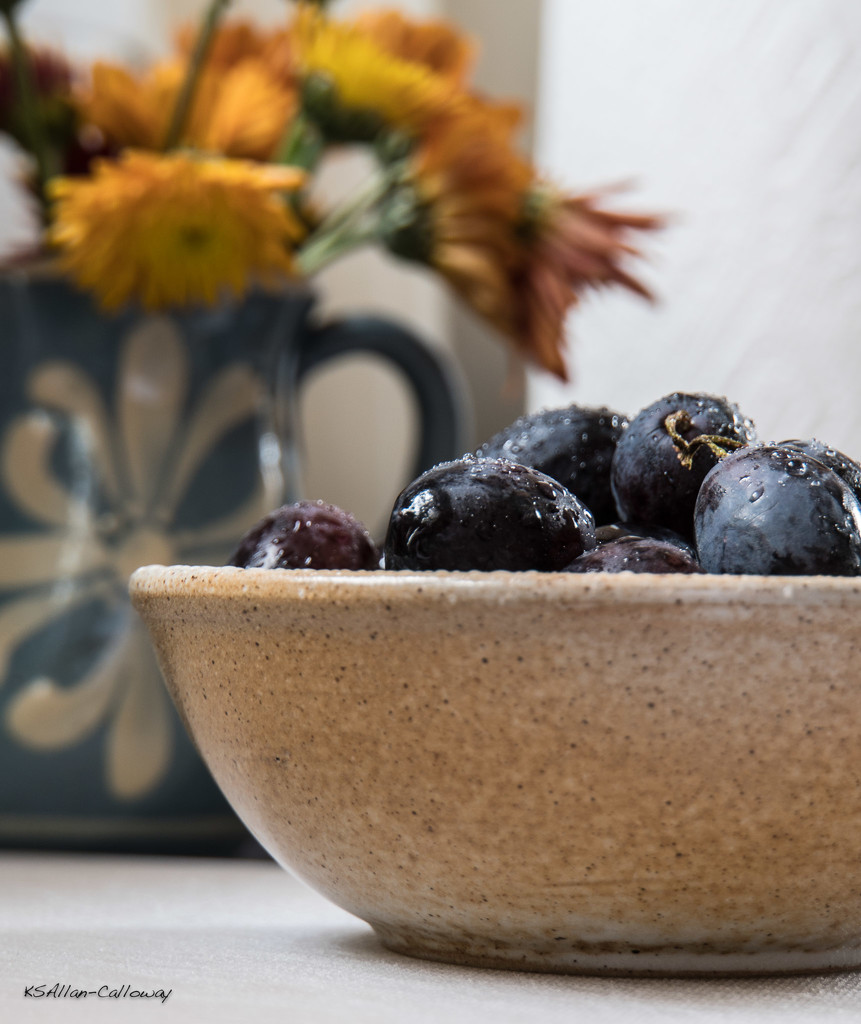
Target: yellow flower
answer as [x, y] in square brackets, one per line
[435, 44]
[367, 79]
[173, 229]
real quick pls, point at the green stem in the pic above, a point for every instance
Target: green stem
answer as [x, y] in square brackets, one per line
[346, 227]
[361, 204]
[27, 99]
[195, 67]
[325, 249]
[302, 145]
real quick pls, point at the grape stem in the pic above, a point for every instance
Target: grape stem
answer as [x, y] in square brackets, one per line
[717, 445]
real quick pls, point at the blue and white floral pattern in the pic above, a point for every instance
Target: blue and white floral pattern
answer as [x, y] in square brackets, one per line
[138, 456]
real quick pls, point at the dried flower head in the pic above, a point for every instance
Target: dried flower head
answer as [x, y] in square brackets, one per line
[465, 186]
[569, 244]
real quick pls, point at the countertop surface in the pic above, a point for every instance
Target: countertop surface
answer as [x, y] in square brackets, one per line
[241, 940]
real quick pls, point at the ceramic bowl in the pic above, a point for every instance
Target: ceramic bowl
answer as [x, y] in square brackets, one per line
[574, 773]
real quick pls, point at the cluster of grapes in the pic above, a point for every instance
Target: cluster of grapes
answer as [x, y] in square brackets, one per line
[683, 487]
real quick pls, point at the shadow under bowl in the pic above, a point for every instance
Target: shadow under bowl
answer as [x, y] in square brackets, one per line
[618, 774]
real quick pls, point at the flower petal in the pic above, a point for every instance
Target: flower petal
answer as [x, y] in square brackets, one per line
[151, 387]
[140, 740]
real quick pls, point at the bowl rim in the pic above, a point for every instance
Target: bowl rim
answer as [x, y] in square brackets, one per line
[271, 586]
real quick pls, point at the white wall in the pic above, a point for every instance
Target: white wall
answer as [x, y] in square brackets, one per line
[741, 117]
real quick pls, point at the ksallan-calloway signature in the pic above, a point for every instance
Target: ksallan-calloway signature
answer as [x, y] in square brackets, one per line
[60, 991]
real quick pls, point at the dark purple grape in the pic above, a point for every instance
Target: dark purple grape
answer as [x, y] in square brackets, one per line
[486, 514]
[307, 535]
[574, 445]
[774, 511]
[655, 476]
[642, 531]
[636, 554]
[847, 469]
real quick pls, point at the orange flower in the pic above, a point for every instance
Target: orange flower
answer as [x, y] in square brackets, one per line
[468, 182]
[278, 53]
[234, 40]
[131, 111]
[237, 40]
[472, 153]
[241, 111]
[571, 244]
[516, 251]
[435, 44]
[174, 229]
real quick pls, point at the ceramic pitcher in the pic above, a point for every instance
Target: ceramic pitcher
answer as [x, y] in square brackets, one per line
[127, 440]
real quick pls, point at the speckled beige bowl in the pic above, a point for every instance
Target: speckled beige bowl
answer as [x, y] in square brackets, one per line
[621, 774]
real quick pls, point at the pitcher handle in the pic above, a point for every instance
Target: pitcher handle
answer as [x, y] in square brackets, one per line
[434, 381]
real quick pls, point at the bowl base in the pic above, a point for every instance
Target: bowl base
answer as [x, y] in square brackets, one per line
[667, 962]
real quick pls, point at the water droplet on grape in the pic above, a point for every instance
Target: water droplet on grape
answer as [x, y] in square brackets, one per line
[488, 514]
[574, 445]
[307, 534]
